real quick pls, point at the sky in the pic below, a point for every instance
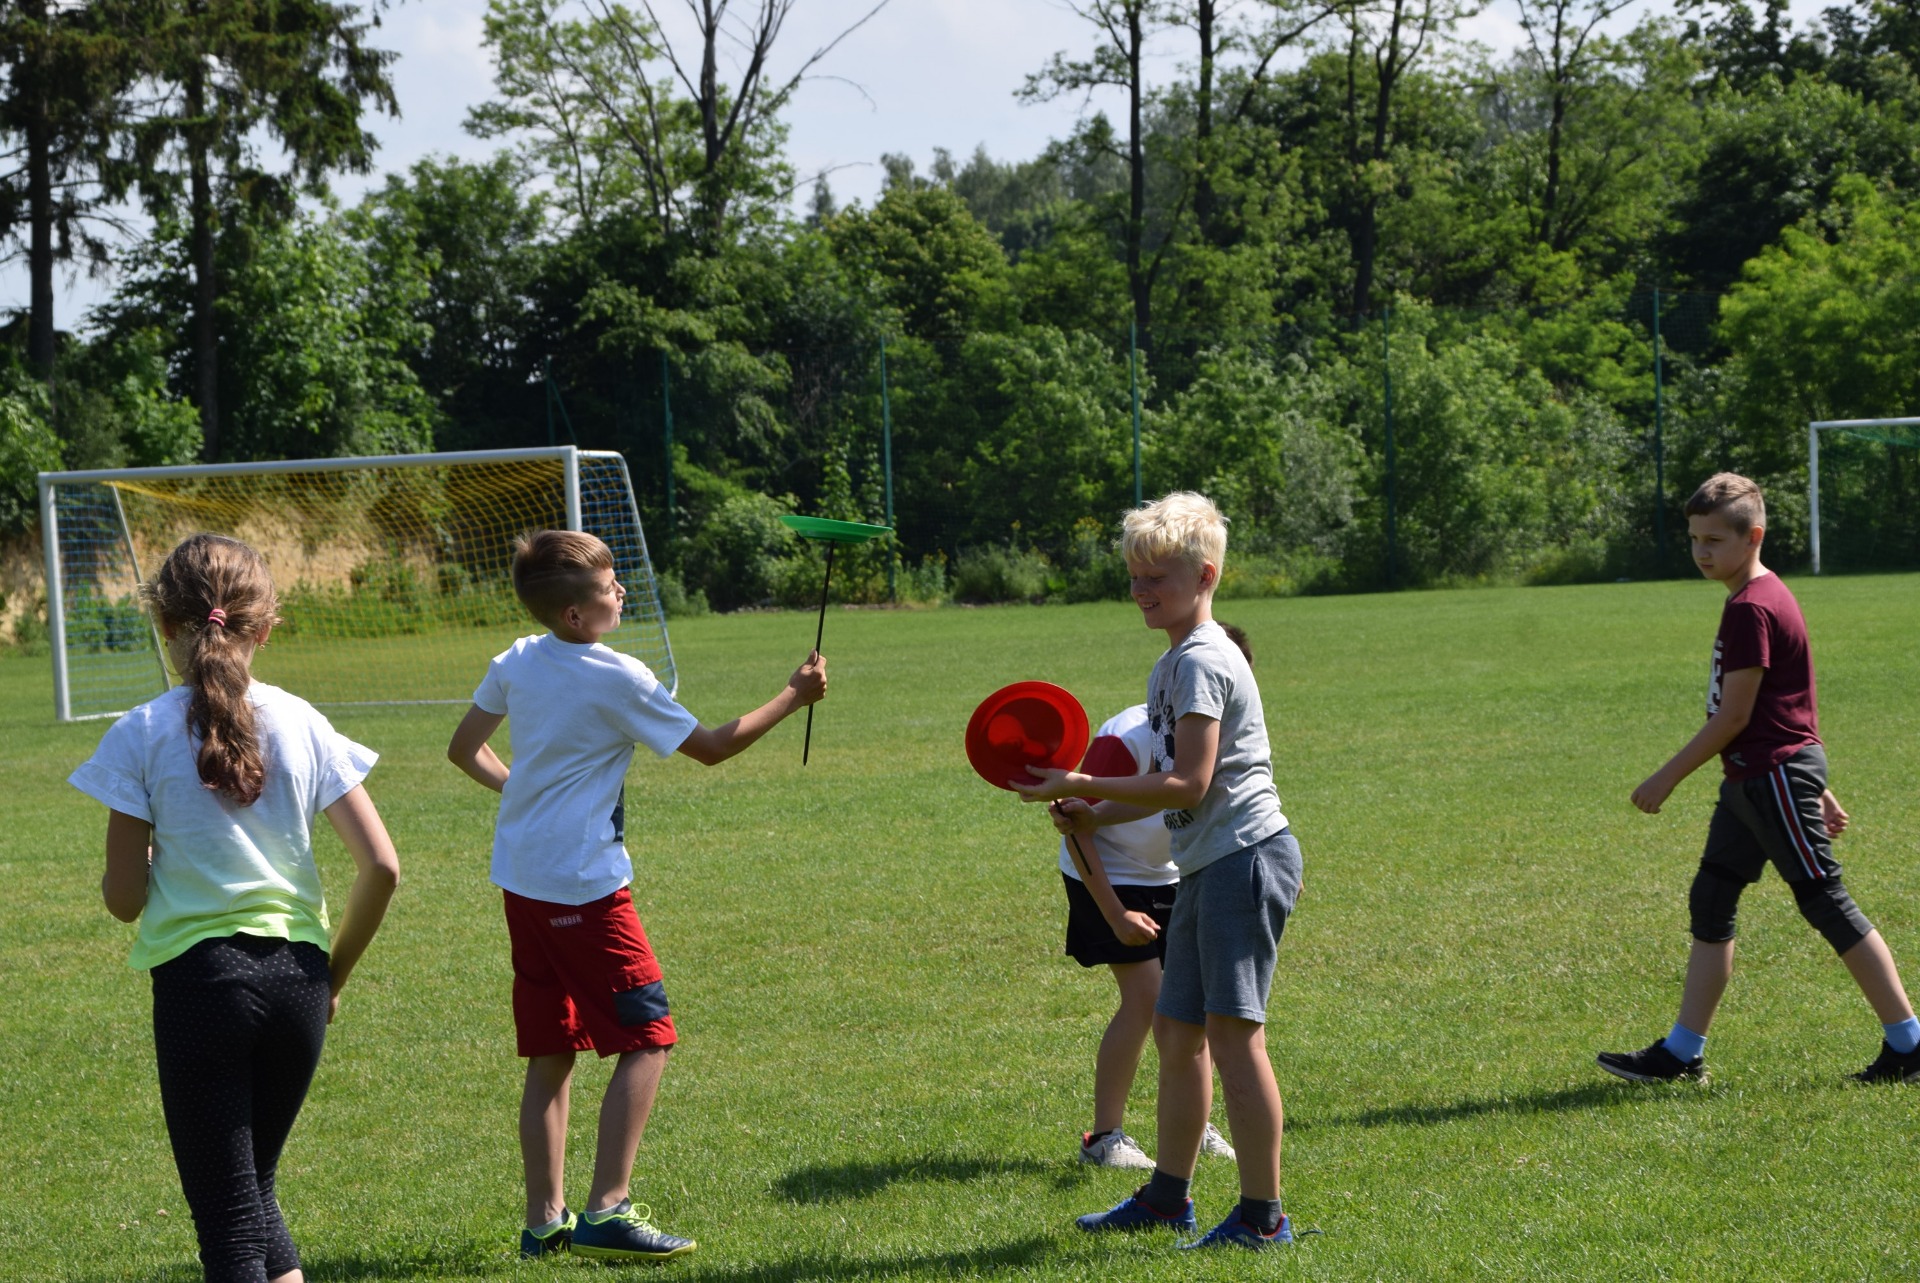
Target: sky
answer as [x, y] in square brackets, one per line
[919, 74]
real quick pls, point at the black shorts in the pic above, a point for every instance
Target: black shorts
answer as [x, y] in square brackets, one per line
[1091, 942]
[1774, 819]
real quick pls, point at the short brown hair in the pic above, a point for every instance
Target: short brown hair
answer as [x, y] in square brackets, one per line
[1238, 636]
[555, 569]
[1736, 499]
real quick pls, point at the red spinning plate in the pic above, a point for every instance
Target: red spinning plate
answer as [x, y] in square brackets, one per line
[1022, 725]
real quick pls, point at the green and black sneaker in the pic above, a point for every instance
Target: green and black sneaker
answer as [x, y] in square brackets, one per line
[624, 1233]
[557, 1239]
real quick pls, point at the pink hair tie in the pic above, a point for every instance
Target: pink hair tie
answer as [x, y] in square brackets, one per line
[217, 616]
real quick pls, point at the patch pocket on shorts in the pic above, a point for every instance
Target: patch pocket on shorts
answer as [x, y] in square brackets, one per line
[641, 1005]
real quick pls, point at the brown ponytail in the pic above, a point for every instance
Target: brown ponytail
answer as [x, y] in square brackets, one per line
[218, 592]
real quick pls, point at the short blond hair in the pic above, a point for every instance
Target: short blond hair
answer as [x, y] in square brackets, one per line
[1735, 499]
[555, 569]
[1183, 525]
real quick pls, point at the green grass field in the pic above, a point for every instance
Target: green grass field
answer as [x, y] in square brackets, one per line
[885, 1060]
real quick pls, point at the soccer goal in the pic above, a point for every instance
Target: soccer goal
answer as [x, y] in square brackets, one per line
[1887, 431]
[393, 571]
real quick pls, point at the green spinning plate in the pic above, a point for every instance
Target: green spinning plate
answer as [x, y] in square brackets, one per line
[835, 531]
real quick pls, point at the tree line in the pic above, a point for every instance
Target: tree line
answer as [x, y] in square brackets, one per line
[1415, 311]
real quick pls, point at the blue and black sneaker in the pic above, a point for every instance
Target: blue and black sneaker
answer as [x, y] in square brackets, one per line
[1234, 1232]
[1132, 1214]
[1653, 1064]
[1892, 1067]
[554, 1240]
[624, 1233]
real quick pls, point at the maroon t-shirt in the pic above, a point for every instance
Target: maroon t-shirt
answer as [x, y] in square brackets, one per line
[1761, 627]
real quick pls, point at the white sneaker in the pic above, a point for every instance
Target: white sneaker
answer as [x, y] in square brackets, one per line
[1115, 1149]
[1212, 1142]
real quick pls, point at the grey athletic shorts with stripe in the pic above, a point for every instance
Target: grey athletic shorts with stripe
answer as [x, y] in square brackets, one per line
[1224, 934]
[1775, 819]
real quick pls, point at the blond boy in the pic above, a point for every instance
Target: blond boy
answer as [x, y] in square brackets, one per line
[1240, 873]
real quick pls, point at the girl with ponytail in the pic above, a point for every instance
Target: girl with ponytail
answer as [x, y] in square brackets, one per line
[212, 790]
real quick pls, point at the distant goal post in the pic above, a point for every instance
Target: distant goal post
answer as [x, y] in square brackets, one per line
[1905, 431]
[393, 571]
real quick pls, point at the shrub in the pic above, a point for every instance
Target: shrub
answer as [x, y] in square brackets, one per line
[737, 554]
[1092, 569]
[926, 582]
[27, 447]
[676, 601]
[97, 622]
[30, 636]
[1000, 574]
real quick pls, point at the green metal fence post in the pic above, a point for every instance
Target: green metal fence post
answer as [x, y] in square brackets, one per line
[1133, 379]
[666, 417]
[1659, 443]
[1386, 377]
[886, 467]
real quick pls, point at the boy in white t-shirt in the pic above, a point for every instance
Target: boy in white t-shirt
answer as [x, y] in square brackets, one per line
[584, 976]
[1116, 915]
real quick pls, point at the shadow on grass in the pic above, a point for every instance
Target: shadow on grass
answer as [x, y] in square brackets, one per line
[841, 1182]
[1019, 1255]
[1589, 1096]
[352, 1267]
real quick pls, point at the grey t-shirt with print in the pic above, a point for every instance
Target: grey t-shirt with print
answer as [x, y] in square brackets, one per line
[1207, 674]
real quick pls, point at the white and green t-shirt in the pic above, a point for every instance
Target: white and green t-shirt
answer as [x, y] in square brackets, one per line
[221, 869]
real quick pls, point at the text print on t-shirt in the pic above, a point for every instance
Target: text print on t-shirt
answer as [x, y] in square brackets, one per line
[1160, 721]
[1713, 678]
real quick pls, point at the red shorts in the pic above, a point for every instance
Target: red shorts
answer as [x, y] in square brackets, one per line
[584, 978]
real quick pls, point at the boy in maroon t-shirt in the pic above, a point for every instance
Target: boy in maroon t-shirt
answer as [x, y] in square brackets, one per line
[1775, 806]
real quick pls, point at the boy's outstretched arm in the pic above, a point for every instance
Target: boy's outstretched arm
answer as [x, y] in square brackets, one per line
[1196, 747]
[1738, 690]
[470, 751]
[712, 745]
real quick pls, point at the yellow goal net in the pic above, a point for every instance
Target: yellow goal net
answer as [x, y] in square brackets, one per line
[392, 572]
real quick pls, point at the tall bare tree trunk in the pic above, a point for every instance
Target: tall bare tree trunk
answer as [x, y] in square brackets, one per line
[39, 138]
[1205, 201]
[1140, 284]
[1390, 62]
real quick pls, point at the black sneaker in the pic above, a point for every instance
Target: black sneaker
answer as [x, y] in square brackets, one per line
[1892, 1066]
[1653, 1065]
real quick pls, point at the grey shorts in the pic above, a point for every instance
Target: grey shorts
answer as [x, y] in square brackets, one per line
[1225, 933]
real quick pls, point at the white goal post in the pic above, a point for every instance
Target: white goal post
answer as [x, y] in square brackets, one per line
[1866, 427]
[393, 571]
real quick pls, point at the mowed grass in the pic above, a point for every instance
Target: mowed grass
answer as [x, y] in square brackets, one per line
[885, 1059]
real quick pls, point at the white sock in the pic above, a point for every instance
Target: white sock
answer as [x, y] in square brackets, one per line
[594, 1218]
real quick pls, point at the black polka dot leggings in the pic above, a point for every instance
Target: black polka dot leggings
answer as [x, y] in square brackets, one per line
[237, 1028]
